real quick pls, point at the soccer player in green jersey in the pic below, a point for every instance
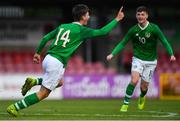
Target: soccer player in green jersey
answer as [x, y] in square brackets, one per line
[144, 37]
[66, 38]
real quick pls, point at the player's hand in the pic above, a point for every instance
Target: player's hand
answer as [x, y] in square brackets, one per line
[109, 57]
[172, 58]
[37, 58]
[120, 14]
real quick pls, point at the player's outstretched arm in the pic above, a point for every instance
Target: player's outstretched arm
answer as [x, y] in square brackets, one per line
[89, 33]
[107, 28]
[120, 46]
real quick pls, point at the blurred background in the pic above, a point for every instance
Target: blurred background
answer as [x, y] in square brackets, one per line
[88, 75]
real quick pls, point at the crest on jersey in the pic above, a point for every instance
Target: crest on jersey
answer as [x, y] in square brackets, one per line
[147, 35]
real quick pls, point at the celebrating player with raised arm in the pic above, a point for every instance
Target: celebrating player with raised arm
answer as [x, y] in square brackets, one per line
[144, 37]
[66, 39]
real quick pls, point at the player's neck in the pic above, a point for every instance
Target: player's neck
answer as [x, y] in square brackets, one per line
[143, 24]
[79, 22]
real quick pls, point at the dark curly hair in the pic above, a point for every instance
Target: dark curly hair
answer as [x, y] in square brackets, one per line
[78, 11]
[142, 8]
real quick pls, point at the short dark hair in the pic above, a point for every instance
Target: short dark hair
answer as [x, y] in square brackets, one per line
[142, 8]
[78, 11]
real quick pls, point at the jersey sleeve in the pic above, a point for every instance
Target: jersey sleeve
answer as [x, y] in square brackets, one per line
[122, 44]
[89, 33]
[164, 40]
[45, 39]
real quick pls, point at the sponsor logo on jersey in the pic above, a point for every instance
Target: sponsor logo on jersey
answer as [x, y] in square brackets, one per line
[147, 35]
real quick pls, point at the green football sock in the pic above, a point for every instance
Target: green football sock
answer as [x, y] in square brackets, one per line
[39, 81]
[129, 92]
[27, 101]
[143, 93]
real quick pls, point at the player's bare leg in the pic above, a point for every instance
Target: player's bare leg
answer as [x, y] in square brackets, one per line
[43, 93]
[129, 90]
[141, 100]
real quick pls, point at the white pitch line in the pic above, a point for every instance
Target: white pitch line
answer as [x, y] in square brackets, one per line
[155, 114]
[163, 114]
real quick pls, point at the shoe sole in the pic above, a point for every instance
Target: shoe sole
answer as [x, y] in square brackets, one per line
[123, 111]
[25, 87]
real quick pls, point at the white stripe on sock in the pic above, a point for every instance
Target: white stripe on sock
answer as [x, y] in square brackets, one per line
[129, 96]
[24, 103]
[126, 102]
[37, 81]
[17, 106]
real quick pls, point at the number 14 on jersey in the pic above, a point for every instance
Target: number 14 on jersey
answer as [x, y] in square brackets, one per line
[64, 37]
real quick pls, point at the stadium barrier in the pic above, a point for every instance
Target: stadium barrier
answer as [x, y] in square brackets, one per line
[10, 87]
[78, 86]
[169, 86]
[103, 86]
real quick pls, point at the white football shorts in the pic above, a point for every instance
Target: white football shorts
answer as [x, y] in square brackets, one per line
[145, 68]
[53, 72]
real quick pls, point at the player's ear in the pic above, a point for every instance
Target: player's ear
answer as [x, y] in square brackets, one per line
[147, 15]
[83, 17]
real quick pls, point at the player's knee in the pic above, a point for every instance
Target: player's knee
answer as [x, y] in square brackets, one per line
[134, 82]
[134, 78]
[43, 94]
[61, 82]
[144, 86]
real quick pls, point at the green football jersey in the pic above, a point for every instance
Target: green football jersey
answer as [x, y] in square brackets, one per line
[144, 41]
[68, 37]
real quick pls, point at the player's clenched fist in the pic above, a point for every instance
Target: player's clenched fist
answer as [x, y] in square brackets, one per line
[172, 58]
[36, 58]
[109, 57]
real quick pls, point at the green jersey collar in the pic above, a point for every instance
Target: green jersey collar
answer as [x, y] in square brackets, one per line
[142, 28]
[77, 23]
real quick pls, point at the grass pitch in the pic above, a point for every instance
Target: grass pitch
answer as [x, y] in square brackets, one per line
[95, 109]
